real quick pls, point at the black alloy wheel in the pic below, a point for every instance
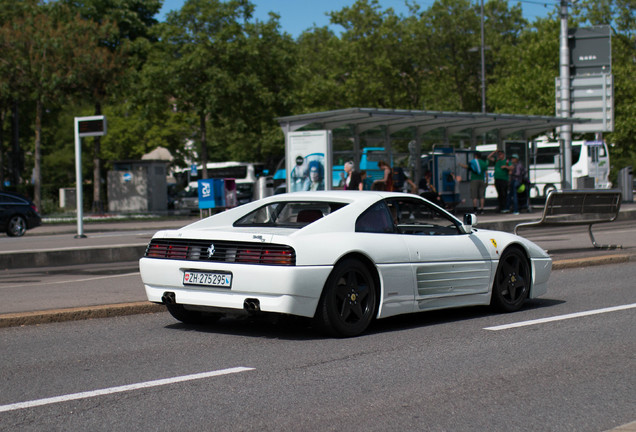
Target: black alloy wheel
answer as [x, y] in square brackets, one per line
[512, 281]
[349, 300]
[17, 226]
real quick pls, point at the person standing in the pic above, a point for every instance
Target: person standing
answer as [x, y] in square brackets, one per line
[427, 190]
[353, 181]
[386, 183]
[501, 175]
[517, 175]
[478, 171]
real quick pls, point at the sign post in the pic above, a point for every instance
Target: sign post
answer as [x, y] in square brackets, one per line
[84, 127]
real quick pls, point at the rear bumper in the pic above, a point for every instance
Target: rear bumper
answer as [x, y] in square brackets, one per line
[293, 290]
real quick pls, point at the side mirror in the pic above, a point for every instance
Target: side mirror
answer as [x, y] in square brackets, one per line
[470, 220]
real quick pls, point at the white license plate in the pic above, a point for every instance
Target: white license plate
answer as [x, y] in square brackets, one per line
[212, 279]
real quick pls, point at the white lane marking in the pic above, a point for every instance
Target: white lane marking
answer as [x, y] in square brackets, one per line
[71, 281]
[120, 389]
[561, 317]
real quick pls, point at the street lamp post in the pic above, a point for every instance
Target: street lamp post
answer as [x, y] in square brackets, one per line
[483, 63]
[566, 130]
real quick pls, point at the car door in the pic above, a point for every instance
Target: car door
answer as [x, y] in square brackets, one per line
[445, 261]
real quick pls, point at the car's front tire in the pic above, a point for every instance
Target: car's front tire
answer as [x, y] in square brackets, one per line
[512, 281]
[17, 226]
[349, 299]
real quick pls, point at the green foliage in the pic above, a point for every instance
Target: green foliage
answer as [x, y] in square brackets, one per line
[214, 76]
[134, 134]
[318, 77]
[234, 74]
[524, 84]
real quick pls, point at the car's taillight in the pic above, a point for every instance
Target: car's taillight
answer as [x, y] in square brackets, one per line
[167, 251]
[248, 256]
[265, 256]
[156, 251]
[280, 257]
[34, 208]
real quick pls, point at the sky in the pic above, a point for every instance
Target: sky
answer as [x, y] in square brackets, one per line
[297, 16]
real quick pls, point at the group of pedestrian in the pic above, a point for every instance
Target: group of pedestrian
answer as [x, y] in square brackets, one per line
[356, 180]
[510, 178]
[509, 174]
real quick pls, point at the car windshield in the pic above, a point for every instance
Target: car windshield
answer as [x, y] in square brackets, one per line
[288, 214]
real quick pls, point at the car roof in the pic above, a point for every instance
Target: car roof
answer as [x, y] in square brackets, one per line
[357, 201]
[15, 195]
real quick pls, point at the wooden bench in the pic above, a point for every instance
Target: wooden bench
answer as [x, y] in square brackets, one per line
[579, 207]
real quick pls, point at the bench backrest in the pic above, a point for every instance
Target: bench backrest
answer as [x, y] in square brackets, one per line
[579, 206]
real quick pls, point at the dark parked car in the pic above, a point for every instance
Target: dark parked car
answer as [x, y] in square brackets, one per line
[17, 214]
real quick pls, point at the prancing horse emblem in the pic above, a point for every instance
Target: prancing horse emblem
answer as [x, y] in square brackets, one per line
[211, 251]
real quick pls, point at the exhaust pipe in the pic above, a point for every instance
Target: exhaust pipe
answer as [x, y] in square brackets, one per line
[168, 298]
[252, 305]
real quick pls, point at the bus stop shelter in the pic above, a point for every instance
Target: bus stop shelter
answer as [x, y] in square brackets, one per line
[416, 123]
[391, 121]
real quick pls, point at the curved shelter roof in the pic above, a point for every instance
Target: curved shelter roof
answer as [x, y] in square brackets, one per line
[394, 120]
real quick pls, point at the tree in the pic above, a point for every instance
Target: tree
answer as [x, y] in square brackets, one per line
[318, 76]
[192, 58]
[50, 52]
[371, 55]
[131, 20]
[523, 83]
[231, 72]
[11, 90]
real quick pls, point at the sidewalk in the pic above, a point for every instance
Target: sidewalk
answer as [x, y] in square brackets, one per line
[115, 241]
[125, 241]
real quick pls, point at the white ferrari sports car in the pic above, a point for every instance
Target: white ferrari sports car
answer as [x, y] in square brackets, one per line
[343, 258]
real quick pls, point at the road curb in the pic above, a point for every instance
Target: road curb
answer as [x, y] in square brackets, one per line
[590, 261]
[629, 427]
[78, 313]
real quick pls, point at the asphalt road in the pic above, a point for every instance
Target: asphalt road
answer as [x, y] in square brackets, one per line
[436, 371]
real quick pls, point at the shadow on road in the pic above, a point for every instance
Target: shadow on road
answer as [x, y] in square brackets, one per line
[272, 326]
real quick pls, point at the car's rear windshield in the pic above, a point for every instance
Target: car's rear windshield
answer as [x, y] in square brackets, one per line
[289, 214]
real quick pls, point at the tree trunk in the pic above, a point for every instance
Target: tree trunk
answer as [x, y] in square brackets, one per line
[37, 169]
[204, 148]
[16, 155]
[1, 148]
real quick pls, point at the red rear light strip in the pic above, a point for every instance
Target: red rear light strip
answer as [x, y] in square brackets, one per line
[266, 256]
[251, 255]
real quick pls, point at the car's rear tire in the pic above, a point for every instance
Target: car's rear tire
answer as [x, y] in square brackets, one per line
[17, 226]
[349, 300]
[180, 313]
[512, 281]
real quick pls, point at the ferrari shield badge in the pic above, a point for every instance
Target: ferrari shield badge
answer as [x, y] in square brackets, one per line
[494, 243]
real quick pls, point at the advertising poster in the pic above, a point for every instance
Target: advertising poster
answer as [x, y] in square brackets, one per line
[308, 158]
